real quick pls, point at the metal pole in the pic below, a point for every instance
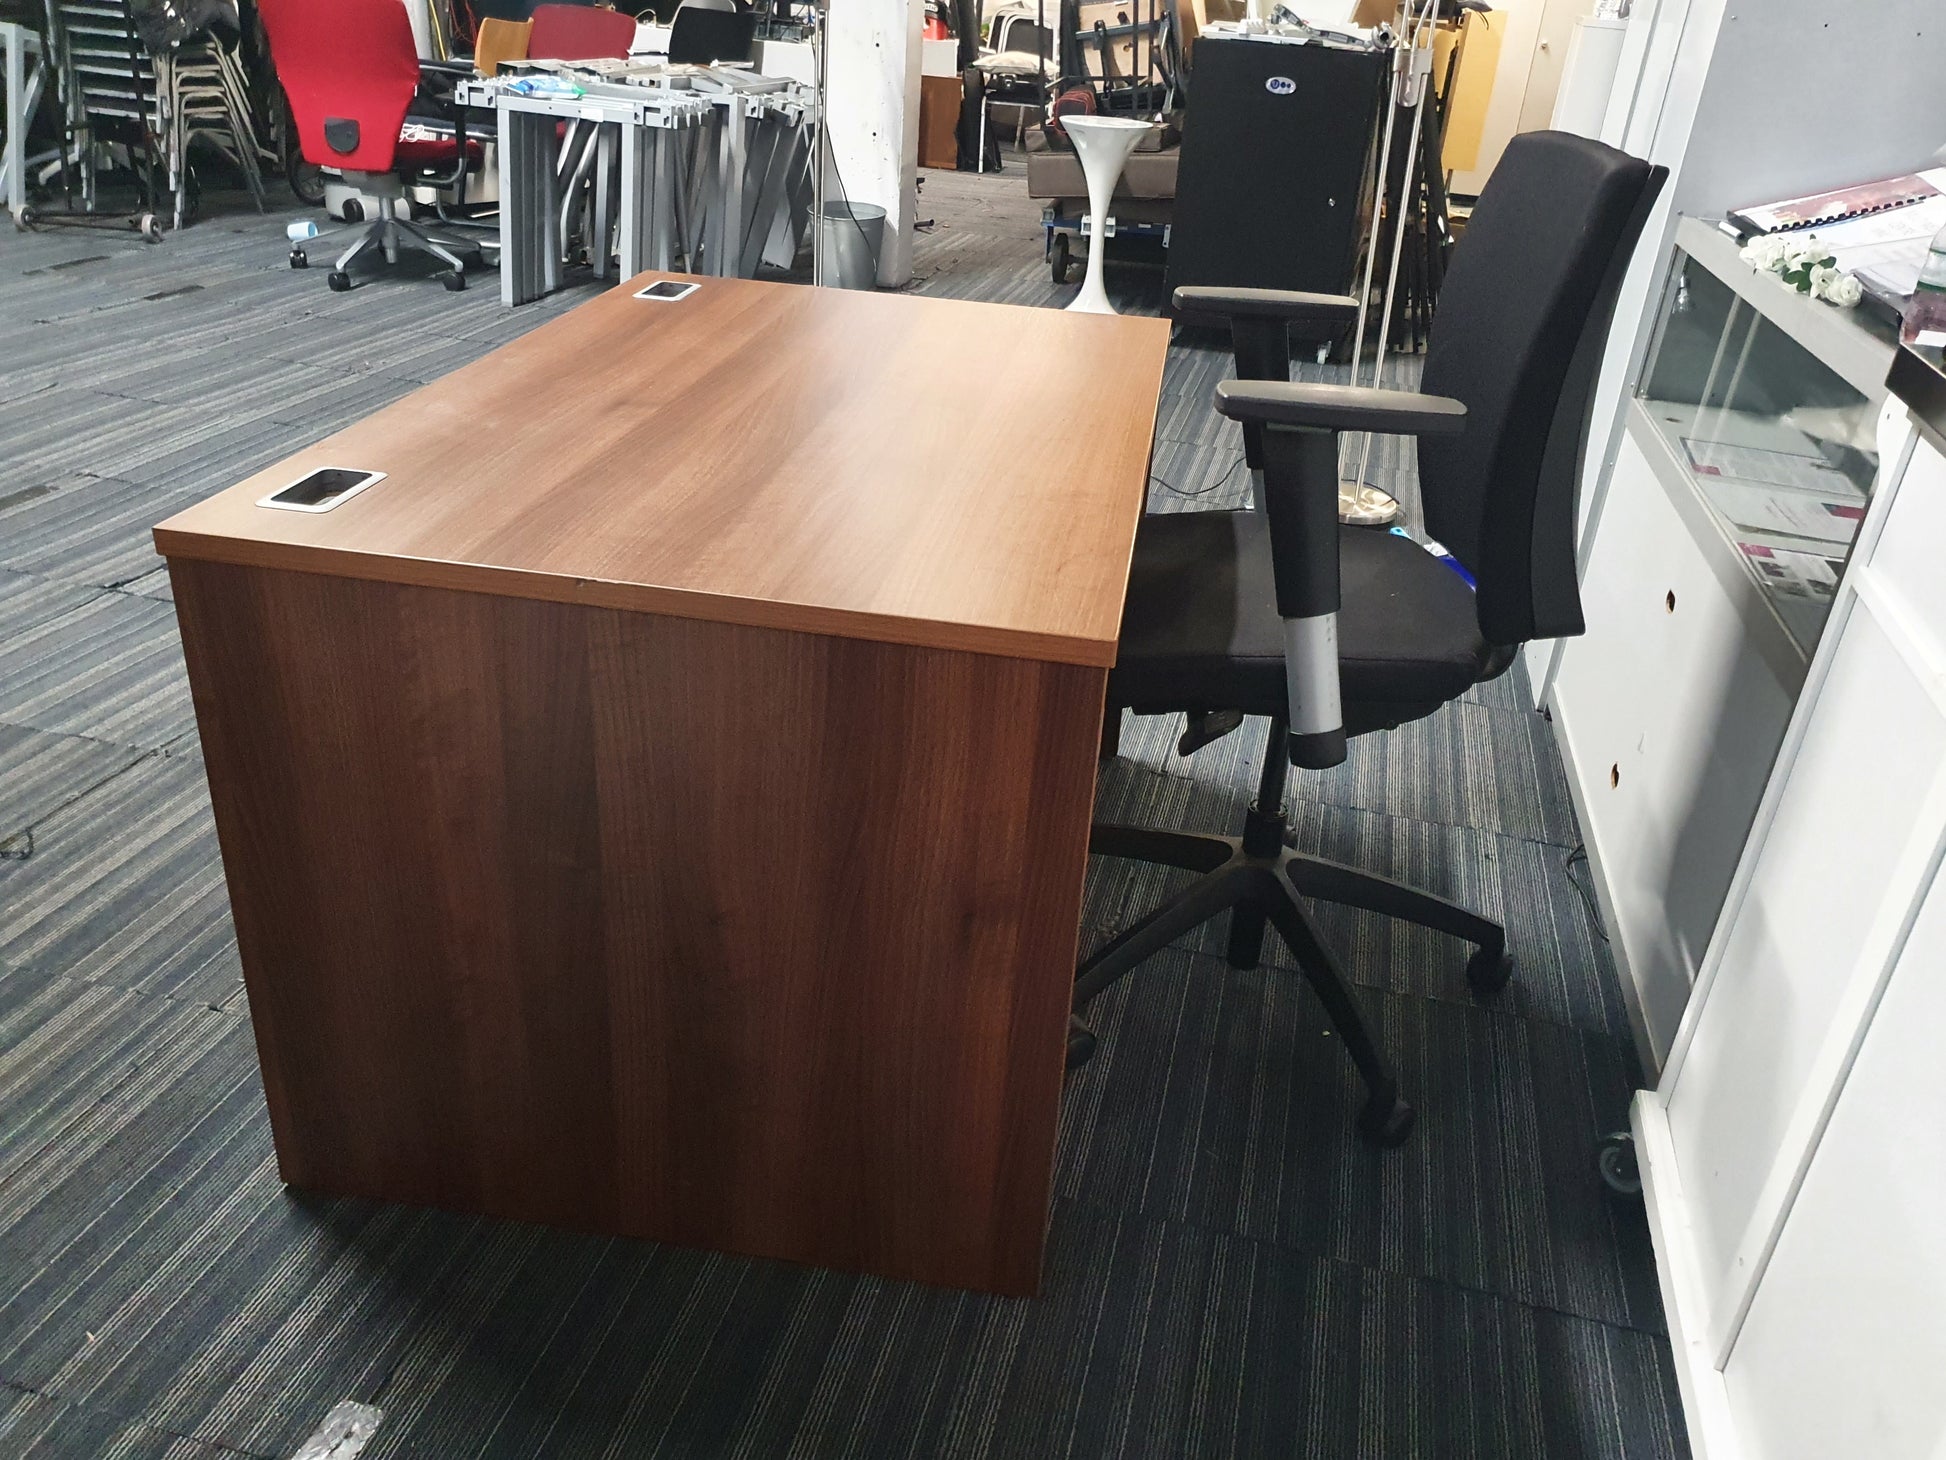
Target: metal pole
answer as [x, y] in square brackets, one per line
[1420, 75]
[824, 143]
[1378, 214]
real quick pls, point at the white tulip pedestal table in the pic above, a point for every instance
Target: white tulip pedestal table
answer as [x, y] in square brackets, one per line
[1103, 145]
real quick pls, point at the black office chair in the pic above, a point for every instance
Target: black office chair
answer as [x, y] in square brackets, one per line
[703, 33]
[1332, 631]
[514, 10]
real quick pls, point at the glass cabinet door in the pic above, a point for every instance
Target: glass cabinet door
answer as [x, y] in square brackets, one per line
[1776, 446]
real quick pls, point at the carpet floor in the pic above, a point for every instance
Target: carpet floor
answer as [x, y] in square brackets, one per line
[1231, 1272]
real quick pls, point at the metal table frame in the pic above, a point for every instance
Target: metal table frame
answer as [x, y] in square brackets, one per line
[695, 168]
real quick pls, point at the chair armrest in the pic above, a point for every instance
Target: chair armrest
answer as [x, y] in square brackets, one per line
[457, 66]
[1282, 305]
[1340, 408]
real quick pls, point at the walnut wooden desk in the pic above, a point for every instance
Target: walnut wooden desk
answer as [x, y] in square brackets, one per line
[659, 805]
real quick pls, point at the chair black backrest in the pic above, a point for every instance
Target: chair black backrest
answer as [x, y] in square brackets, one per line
[1522, 322]
[514, 10]
[701, 36]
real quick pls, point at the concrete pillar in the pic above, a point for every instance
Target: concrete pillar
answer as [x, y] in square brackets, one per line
[874, 117]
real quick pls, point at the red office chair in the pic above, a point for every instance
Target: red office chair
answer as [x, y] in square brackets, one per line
[579, 33]
[351, 69]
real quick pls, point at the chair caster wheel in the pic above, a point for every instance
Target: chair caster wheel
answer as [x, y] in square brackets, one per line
[1386, 1121]
[339, 281]
[1081, 1044]
[1488, 970]
[1619, 1171]
[300, 259]
[454, 280]
[150, 227]
[1060, 253]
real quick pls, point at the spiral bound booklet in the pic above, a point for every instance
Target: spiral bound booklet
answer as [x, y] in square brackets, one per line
[1839, 205]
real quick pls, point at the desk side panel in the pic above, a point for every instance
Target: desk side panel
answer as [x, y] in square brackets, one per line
[724, 936]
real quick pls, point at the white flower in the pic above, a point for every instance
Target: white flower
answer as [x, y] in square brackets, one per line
[1823, 276]
[1805, 250]
[1764, 254]
[1845, 291]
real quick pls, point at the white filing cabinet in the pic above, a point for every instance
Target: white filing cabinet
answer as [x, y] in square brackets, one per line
[1743, 472]
[1795, 1149]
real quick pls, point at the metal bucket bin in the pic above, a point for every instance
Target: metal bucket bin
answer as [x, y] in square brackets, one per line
[851, 235]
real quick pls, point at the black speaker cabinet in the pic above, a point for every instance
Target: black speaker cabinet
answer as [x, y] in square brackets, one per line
[1276, 156]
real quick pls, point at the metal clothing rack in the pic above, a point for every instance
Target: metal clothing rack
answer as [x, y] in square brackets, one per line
[1419, 177]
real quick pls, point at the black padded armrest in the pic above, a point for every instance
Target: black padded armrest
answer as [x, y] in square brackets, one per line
[1284, 305]
[1339, 408]
[458, 66]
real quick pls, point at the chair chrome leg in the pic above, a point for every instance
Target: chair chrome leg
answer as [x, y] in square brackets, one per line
[367, 241]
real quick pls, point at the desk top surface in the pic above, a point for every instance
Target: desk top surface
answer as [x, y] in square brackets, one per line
[912, 470]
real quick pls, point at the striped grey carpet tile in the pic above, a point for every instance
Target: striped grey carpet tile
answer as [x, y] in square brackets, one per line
[350, 346]
[29, 599]
[1563, 971]
[34, 1427]
[44, 431]
[1151, 1341]
[41, 773]
[125, 887]
[1223, 1099]
[234, 378]
[67, 1046]
[1508, 691]
[110, 669]
[190, 458]
[1466, 764]
[163, 1272]
[85, 528]
[152, 584]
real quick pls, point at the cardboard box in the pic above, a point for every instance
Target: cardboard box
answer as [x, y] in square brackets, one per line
[938, 58]
[1123, 60]
[940, 98]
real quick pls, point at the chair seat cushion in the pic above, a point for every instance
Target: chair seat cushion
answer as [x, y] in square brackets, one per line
[1201, 631]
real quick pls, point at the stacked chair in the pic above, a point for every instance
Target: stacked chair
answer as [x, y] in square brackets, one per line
[108, 90]
[206, 98]
[114, 93]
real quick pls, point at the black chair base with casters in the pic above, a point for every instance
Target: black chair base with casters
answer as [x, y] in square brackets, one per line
[1259, 880]
[1329, 631]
